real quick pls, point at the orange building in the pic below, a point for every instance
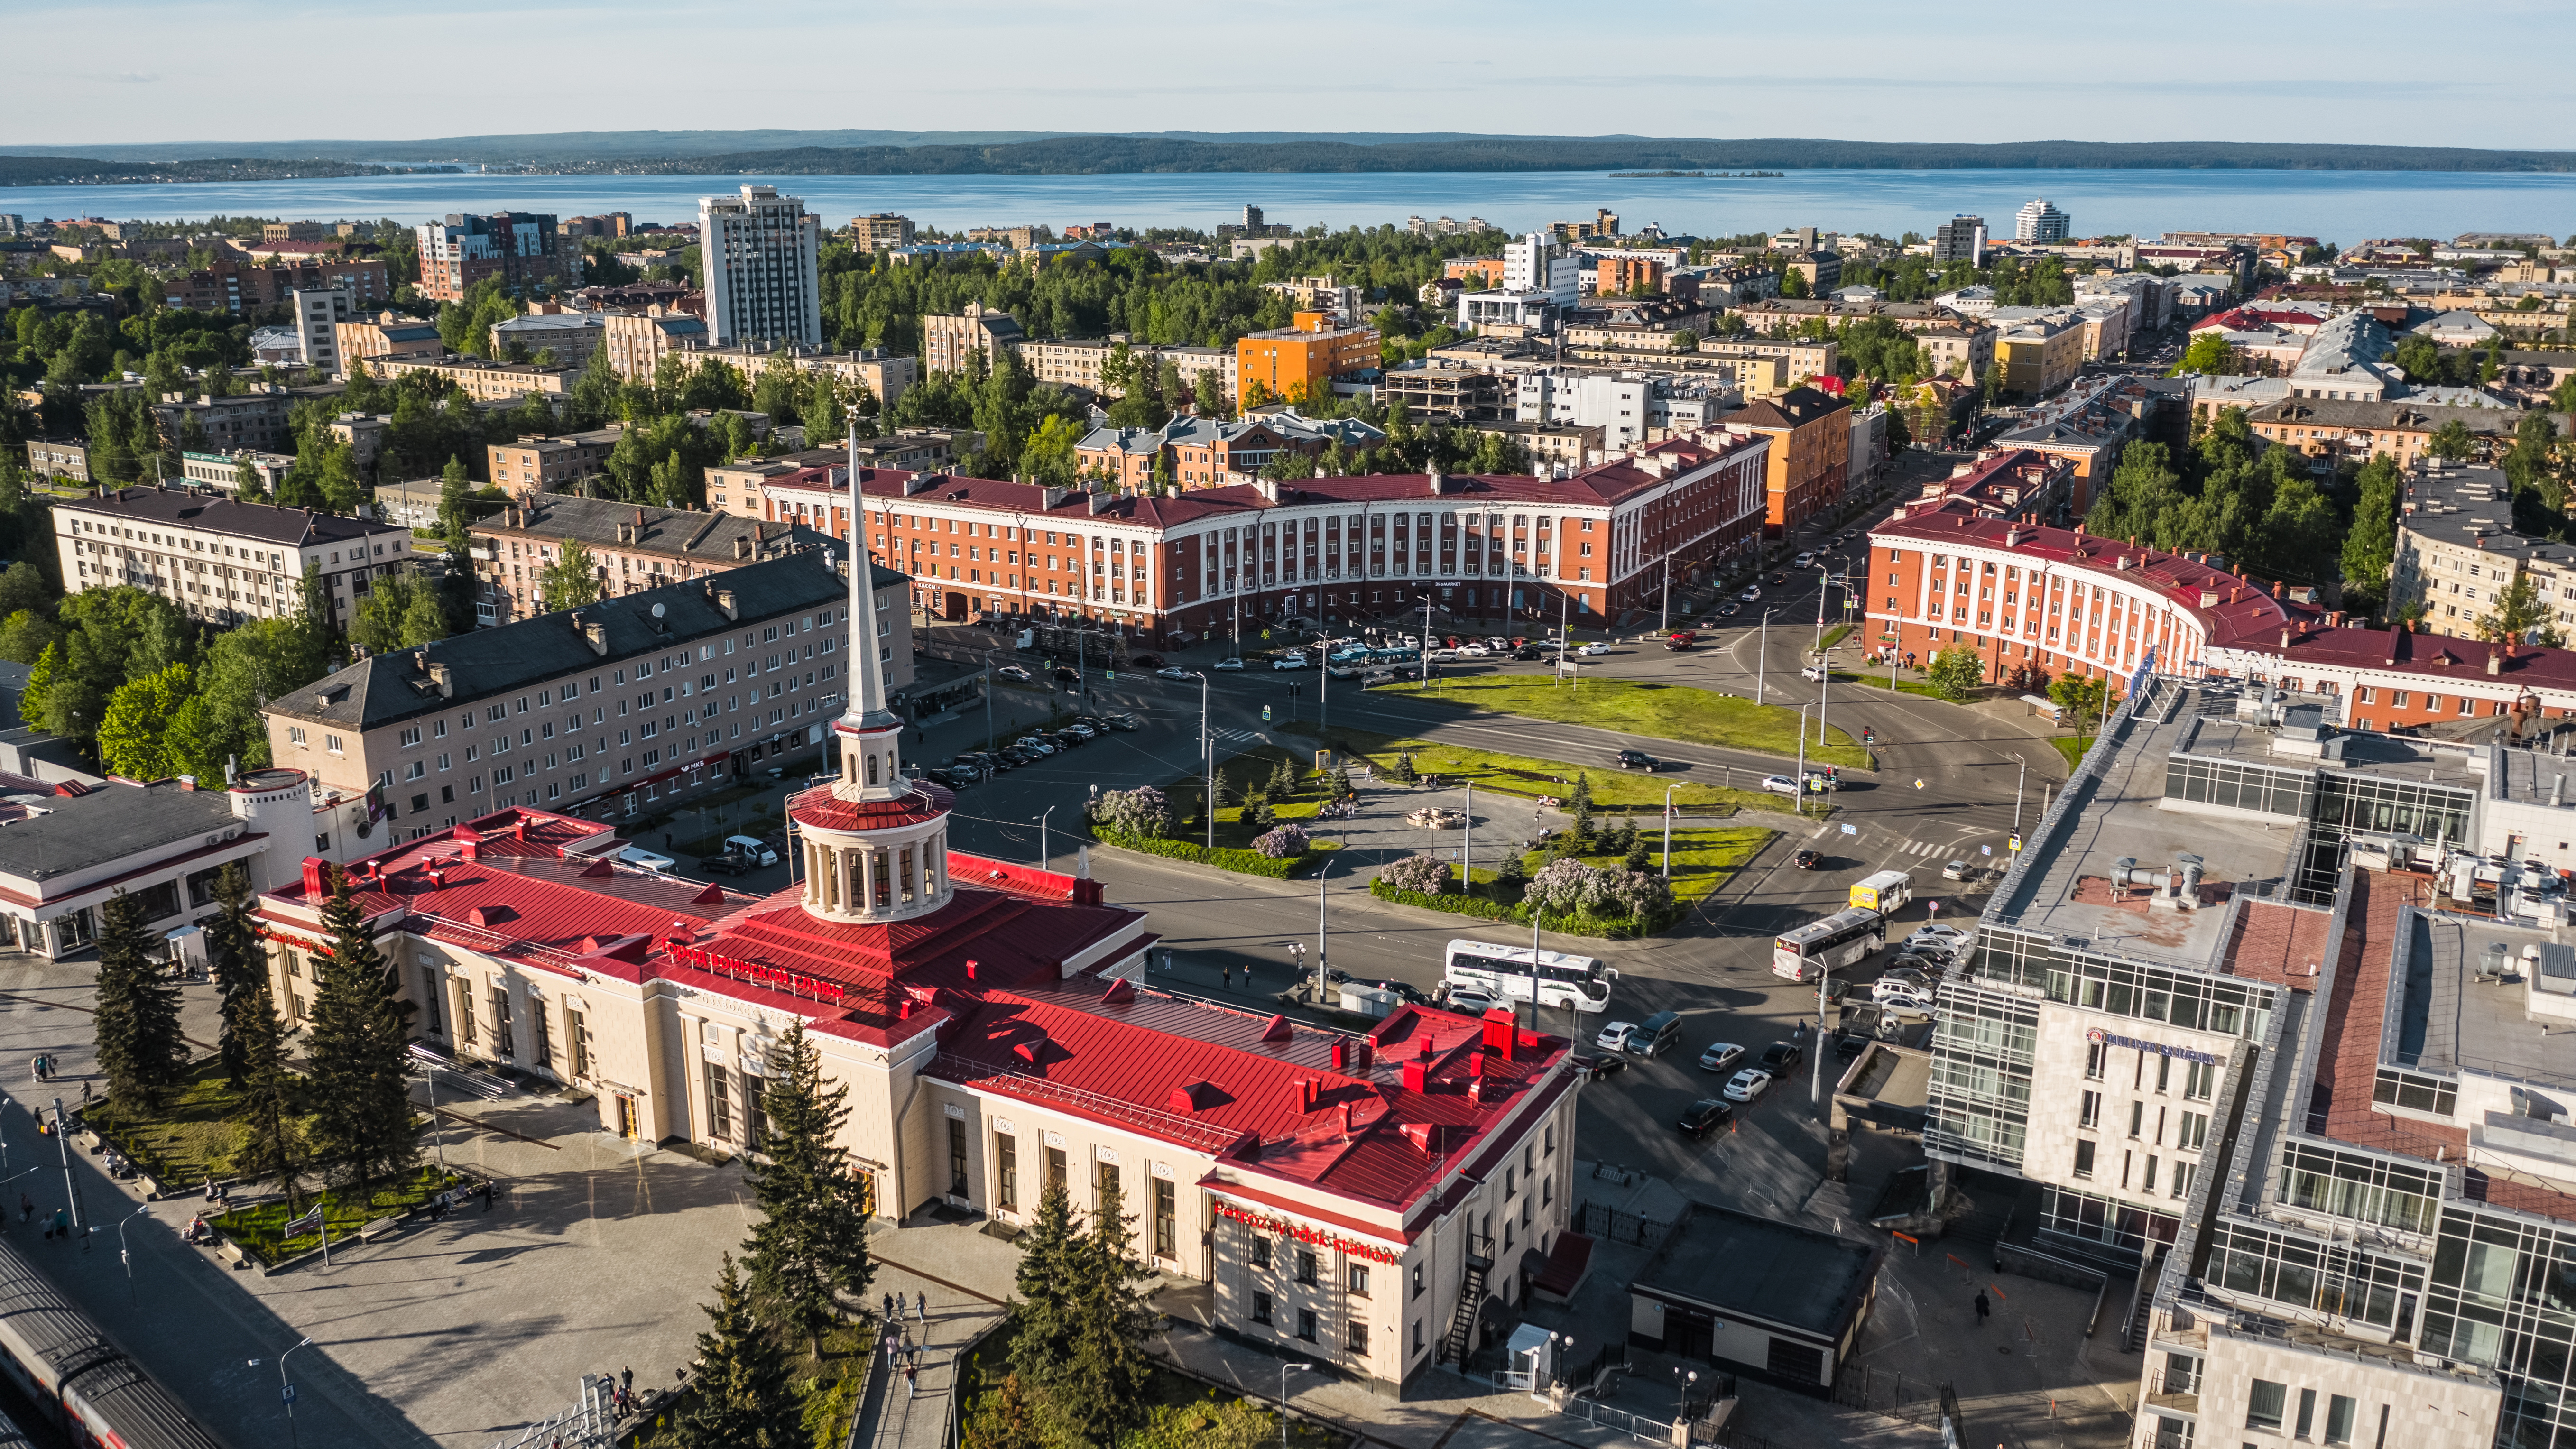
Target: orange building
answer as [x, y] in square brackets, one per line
[1618, 276]
[1810, 435]
[1308, 356]
[1488, 270]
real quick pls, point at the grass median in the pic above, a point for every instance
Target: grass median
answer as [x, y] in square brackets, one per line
[1533, 778]
[1642, 707]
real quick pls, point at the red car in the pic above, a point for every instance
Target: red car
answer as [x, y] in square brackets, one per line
[1681, 639]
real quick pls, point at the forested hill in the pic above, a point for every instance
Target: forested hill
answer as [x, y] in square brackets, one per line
[88, 171]
[1108, 155]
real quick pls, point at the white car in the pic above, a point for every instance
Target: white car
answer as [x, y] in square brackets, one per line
[1289, 661]
[1471, 1003]
[1720, 1056]
[751, 848]
[1747, 1085]
[1229, 664]
[1813, 673]
[1593, 650]
[1035, 745]
[1750, 594]
[1173, 671]
[1473, 651]
[1949, 936]
[1804, 560]
[1779, 784]
[1013, 671]
[1955, 870]
[1901, 993]
[1616, 1036]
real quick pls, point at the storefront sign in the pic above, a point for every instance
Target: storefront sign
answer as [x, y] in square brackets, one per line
[1311, 1237]
[792, 982]
[2105, 1038]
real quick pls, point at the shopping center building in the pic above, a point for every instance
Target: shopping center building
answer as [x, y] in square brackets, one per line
[1356, 1197]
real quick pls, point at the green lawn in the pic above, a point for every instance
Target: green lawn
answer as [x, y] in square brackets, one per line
[2072, 748]
[261, 1229]
[1879, 681]
[1530, 777]
[186, 1142]
[1639, 707]
[1704, 857]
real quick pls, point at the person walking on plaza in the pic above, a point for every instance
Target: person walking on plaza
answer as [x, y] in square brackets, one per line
[910, 1377]
[1981, 1308]
[921, 1308]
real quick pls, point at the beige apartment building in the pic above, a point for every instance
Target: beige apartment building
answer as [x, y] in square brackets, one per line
[483, 380]
[884, 374]
[534, 465]
[628, 701]
[2457, 553]
[1803, 360]
[636, 342]
[1076, 362]
[1961, 350]
[387, 334]
[948, 342]
[2042, 354]
[220, 560]
[632, 548]
[880, 231]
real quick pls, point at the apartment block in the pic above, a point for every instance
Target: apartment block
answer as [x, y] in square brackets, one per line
[571, 336]
[534, 465]
[1810, 456]
[1076, 362]
[223, 561]
[221, 472]
[632, 548]
[482, 379]
[638, 341]
[524, 250]
[1960, 239]
[236, 287]
[61, 458]
[949, 343]
[317, 315]
[1291, 362]
[880, 231]
[760, 250]
[2042, 354]
[386, 334]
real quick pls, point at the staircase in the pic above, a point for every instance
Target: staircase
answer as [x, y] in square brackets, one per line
[1471, 1296]
[2133, 1336]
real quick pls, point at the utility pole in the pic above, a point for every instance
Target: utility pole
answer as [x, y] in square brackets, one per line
[1467, 846]
[1668, 830]
[1207, 748]
[2018, 781]
[1802, 760]
[1762, 666]
[988, 699]
[1816, 1050]
[71, 1185]
[1323, 933]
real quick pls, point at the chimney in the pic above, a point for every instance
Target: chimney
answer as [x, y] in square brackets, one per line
[1501, 1031]
[741, 547]
[597, 634]
[2232, 591]
[724, 601]
[445, 678]
[1417, 1075]
[2495, 661]
[970, 970]
[2276, 588]
[317, 877]
[1341, 1054]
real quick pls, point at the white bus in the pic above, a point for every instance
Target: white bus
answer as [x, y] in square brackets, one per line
[1503, 973]
[1819, 947]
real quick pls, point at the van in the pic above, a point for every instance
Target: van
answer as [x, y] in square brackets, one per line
[636, 855]
[751, 848]
[1656, 1035]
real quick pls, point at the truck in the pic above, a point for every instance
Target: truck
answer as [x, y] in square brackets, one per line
[1883, 892]
[1093, 645]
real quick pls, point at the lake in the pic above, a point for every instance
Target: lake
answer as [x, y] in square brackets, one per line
[2339, 206]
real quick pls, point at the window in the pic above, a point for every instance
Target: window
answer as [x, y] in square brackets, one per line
[2199, 1081]
[719, 1104]
[1260, 1251]
[577, 1035]
[1359, 1338]
[1305, 1266]
[1306, 1324]
[1261, 1308]
[1417, 1335]
[2340, 1412]
[1360, 1279]
[2137, 1117]
[1108, 1183]
[2264, 1403]
[501, 1023]
[2307, 1412]
[1007, 1149]
[1166, 1220]
[1055, 1176]
[2083, 1157]
[544, 1034]
[2095, 1055]
[956, 1157]
[2091, 1111]
[1417, 1292]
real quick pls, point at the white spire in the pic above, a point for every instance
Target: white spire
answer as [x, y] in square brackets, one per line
[867, 708]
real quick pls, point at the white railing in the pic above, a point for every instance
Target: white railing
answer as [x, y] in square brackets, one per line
[590, 1424]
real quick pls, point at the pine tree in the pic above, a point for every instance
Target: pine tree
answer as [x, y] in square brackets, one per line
[1283, 780]
[139, 1046]
[1580, 807]
[1096, 1386]
[1047, 1250]
[813, 1236]
[237, 962]
[744, 1399]
[357, 1052]
[270, 1145]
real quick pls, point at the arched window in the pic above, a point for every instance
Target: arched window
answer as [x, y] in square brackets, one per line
[872, 769]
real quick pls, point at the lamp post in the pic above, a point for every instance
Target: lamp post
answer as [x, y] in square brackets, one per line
[1802, 759]
[122, 1255]
[1044, 855]
[1668, 830]
[1682, 1382]
[285, 1389]
[1323, 932]
[1285, 1370]
[1762, 664]
[1207, 749]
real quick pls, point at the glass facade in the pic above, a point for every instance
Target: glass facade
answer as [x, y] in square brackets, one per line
[2503, 1295]
[1980, 1088]
[2338, 1279]
[2318, 1177]
[2370, 803]
[2416, 1092]
[2234, 785]
[2190, 999]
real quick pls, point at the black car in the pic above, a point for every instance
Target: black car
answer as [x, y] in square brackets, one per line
[1064, 739]
[1637, 760]
[1779, 1056]
[1144, 661]
[1806, 860]
[729, 863]
[1707, 1115]
[1528, 653]
[1066, 674]
[1018, 755]
[1591, 1068]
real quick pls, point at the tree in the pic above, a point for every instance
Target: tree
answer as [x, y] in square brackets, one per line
[139, 1045]
[238, 963]
[1208, 396]
[132, 734]
[268, 1141]
[2370, 544]
[248, 484]
[2451, 441]
[1580, 805]
[2209, 355]
[2518, 615]
[572, 580]
[812, 1241]
[2081, 698]
[357, 1053]
[1005, 1419]
[1080, 1348]
[744, 1398]
[1955, 673]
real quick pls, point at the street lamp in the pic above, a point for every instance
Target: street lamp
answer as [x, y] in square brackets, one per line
[1762, 660]
[1207, 749]
[1286, 1369]
[286, 1390]
[1682, 1383]
[1044, 855]
[124, 1257]
[1668, 830]
[1802, 759]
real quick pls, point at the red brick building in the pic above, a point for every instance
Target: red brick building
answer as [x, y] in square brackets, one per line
[234, 286]
[1480, 546]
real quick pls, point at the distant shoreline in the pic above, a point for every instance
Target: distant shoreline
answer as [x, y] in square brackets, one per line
[1693, 175]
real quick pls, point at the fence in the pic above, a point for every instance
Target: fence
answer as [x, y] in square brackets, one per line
[1888, 1394]
[1613, 1226]
[590, 1424]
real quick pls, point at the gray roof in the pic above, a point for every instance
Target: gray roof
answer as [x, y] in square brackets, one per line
[1743, 1266]
[110, 823]
[2346, 341]
[264, 522]
[388, 687]
[675, 532]
[552, 322]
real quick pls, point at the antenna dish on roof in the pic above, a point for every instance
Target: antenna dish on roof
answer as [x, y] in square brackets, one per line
[657, 611]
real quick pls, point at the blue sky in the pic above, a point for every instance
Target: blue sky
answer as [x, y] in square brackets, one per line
[2275, 70]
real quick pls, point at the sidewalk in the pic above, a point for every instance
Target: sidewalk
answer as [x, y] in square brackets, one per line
[916, 1412]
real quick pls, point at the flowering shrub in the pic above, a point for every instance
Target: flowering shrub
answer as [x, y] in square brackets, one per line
[1565, 884]
[1285, 843]
[1427, 874]
[1143, 811]
[1646, 896]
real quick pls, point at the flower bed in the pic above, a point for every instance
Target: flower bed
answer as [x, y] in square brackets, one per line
[1242, 862]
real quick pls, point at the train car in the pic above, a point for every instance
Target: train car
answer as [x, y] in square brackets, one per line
[77, 1375]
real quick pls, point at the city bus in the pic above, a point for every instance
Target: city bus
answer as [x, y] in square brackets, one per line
[1503, 973]
[1883, 892]
[1819, 947]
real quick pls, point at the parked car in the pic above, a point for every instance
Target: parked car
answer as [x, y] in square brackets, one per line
[1035, 746]
[1720, 1057]
[1171, 671]
[1704, 1116]
[1949, 937]
[1806, 860]
[1779, 784]
[1229, 665]
[752, 847]
[1592, 1068]
[1780, 1056]
[1014, 671]
[1144, 661]
[1904, 994]
[725, 863]
[1747, 1085]
[1616, 1036]
[1474, 651]
[1638, 760]
[1080, 731]
[1470, 1003]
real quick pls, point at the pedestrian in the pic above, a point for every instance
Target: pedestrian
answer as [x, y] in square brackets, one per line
[26, 1208]
[62, 1223]
[84, 1093]
[921, 1308]
[626, 1378]
[885, 1309]
[911, 1376]
[1229, 976]
[487, 1195]
[1981, 1308]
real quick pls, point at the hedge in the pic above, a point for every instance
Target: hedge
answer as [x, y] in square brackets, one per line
[1242, 862]
[1581, 923]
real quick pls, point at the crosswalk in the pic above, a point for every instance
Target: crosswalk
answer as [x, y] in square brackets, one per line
[1230, 736]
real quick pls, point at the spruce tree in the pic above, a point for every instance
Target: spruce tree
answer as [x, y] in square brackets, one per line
[270, 1144]
[1046, 1288]
[1283, 780]
[744, 1399]
[1096, 1387]
[812, 1241]
[357, 1051]
[1580, 807]
[139, 1046]
[238, 963]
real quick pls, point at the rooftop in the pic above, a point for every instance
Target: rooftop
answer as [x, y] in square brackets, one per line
[1743, 1266]
[59, 832]
[216, 513]
[677, 533]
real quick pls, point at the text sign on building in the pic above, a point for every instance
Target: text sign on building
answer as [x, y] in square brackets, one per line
[2105, 1038]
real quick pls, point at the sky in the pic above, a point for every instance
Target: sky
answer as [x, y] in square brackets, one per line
[141, 71]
